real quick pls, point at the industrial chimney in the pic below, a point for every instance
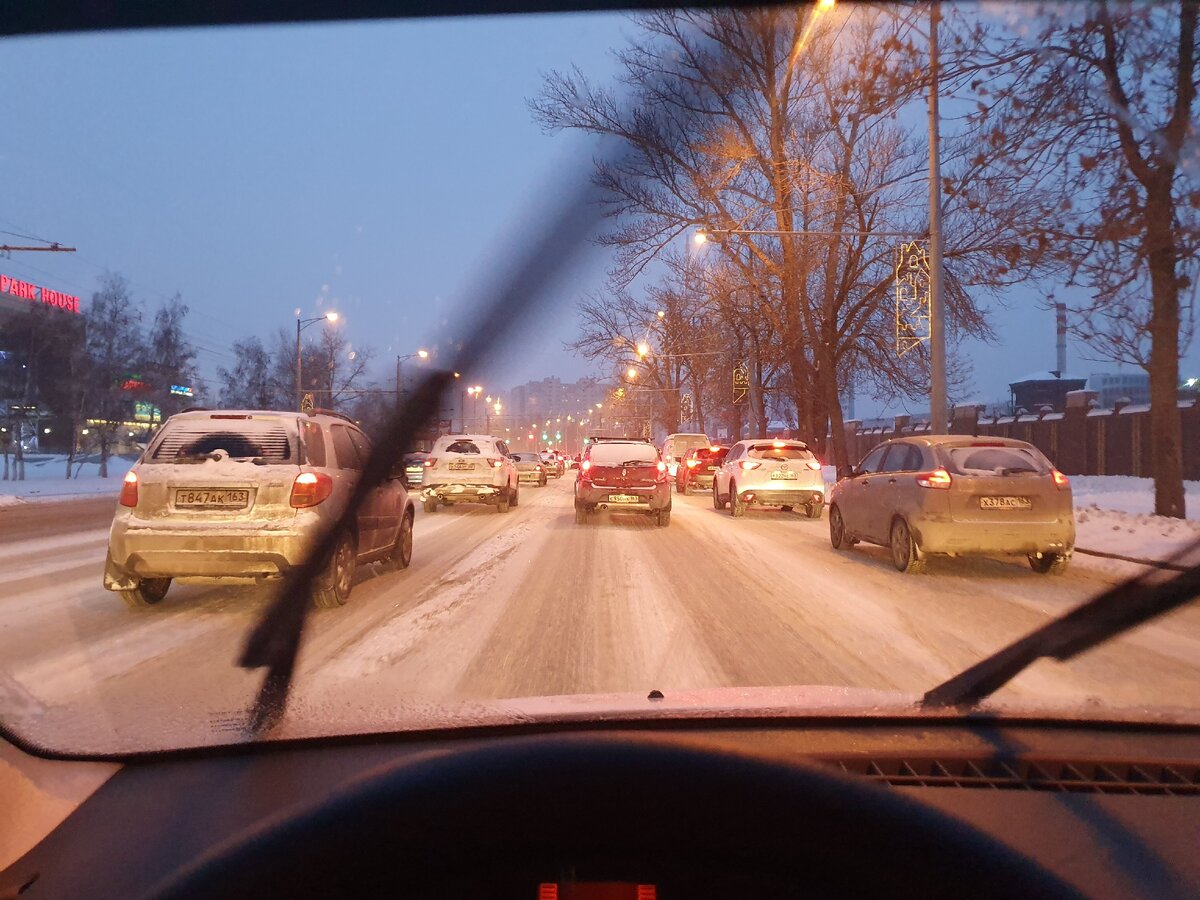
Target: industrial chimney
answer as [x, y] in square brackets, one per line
[1061, 310]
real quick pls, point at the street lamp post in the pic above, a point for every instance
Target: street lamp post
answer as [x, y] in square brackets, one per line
[301, 324]
[420, 354]
[474, 391]
[937, 317]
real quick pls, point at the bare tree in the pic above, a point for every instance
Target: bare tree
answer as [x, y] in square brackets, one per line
[1095, 105]
[114, 346]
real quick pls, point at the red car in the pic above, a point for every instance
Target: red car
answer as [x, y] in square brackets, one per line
[698, 467]
[622, 476]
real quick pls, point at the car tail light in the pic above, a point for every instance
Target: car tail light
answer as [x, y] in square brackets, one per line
[129, 489]
[431, 462]
[495, 463]
[692, 463]
[585, 465]
[662, 471]
[748, 464]
[1060, 480]
[938, 478]
[310, 488]
[814, 464]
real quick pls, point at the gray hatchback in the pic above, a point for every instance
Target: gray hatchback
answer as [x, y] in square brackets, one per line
[956, 495]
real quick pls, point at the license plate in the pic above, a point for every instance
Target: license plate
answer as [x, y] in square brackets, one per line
[712, 468]
[624, 498]
[1005, 503]
[461, 465]
[784, 475]
[212, 498]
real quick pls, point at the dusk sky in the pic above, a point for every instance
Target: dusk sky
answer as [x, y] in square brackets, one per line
[378, 169]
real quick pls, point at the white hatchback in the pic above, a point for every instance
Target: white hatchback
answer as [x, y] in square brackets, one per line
[767, 472]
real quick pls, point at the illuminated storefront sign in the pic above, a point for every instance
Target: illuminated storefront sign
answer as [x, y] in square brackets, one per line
[144, 411]
[24, 290]
[181, 390]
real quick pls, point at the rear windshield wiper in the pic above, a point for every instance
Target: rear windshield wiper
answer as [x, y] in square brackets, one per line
[638, 462]
[1114, 612]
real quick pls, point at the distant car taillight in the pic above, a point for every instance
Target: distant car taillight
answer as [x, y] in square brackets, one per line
[748, 464]
[662, 471]
[938, 478]
[310, 488]
[1060, 480]
[129, 489]
[431, 462]
[495, 463]
[585, 471]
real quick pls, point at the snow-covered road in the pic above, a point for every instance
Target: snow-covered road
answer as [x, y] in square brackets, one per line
[529, 604]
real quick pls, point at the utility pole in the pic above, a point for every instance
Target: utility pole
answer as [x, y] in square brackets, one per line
[937, 312]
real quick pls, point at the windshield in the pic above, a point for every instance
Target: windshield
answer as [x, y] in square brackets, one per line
[611, 240]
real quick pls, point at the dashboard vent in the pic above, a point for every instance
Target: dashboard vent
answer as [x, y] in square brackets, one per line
[1031, 775]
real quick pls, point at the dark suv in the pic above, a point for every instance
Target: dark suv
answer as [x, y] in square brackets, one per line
[622, 475]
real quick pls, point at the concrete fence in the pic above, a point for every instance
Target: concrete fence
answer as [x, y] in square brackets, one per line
[1081, 440]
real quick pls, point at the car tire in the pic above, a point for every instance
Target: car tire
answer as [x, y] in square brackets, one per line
[905, 556]
[837, 530]
[813, 509]
[332, 587]
[1049, 563]
[542, 483]
[680, 488]
[663, 519]
[401, 554]
[580, 515]
[503, 505]
[148, 592]
[514, 495]
[737, 508]
[430, 505]
[786, 508]
[717, 502]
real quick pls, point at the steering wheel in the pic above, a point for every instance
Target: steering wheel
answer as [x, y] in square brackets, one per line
[497, 819]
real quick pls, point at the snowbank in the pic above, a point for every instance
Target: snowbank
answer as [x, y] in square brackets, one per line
[45, 479]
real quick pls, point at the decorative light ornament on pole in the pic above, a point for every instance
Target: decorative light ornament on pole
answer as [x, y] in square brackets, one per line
[301, 324]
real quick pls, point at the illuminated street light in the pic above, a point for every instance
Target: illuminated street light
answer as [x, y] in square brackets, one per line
[662, 314]
[301, 324]
[701, 237]
[643, 349]
[826, 5]
[424, 354]
[631, 374]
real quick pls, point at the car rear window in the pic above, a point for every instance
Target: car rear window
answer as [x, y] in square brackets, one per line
[263, 439]
[314, 444]
[463, 447]
[619, 454]
[524, 457]
[995, 461]
[770, 451]
[681, 445]
[708, 453]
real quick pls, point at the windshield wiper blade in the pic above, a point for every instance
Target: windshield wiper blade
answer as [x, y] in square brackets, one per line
[1105, 616]
[275, 640]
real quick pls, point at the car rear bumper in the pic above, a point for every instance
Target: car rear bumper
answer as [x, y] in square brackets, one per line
[781, 495]
[656, 498]
[160, 551]
[533, 477]
[1016, 538]
[704, 480]
[463, 493]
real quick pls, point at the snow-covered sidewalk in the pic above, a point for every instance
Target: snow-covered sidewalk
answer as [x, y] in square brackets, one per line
[1115, 514]
[45, 479]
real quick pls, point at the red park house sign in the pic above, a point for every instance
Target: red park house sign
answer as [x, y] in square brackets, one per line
[23, 290]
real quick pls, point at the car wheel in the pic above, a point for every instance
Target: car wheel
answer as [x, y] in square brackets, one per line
[837, 529]
[664, 517]
[679, 487]
[332, 587]
[1049, 563]
[147, 593]
[813, 509]
[430, 505]
[786, 508]
[580, 515]
[717, 502]
[514, 497]
[737, 508]
[401, 554]
[904, 549]
[542, 483]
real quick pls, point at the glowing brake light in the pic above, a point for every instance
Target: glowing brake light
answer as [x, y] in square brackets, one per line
[1060, 480]
[431, 462]
[585, 465]
[778, 444]
[692, 463]
[310, 488]
[748, 464]
[713, 449]
[495, 463]
[938, 478]
[129, 489]
[662, 471]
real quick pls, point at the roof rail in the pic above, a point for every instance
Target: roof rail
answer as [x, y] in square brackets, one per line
[331, 412]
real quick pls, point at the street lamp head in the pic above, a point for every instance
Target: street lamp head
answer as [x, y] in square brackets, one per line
[424, 354]
[662, 314]
[631, 373]
[700, 237]
[331, 316]
[643, 349]
[458, 374]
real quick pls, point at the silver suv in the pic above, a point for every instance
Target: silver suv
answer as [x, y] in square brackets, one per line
[470, 468]
[244, 494]
[769, 472]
